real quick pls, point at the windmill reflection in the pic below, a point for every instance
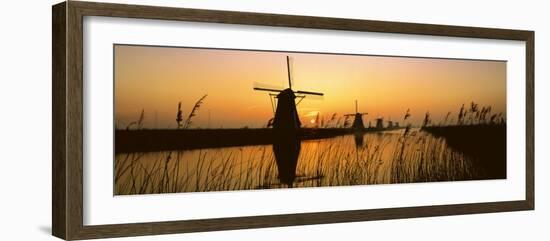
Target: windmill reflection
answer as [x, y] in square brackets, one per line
[287, 150]
[358, 138]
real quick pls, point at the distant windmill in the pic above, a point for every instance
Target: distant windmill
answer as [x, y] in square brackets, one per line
[286, 115]
[379, 123]
[358, 121]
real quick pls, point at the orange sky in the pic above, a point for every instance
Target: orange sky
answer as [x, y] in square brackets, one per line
[155, 79]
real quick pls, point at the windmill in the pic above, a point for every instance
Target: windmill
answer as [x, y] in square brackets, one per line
[379, 123]
[286, 115]
[358, 121]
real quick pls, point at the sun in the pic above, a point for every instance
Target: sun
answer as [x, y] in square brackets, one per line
[312, 121]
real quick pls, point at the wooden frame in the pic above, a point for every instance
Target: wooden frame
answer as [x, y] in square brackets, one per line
[67, 77]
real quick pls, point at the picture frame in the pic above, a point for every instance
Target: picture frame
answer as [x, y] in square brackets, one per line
[68, 117]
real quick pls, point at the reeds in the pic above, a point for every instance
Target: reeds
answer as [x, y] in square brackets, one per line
[475, 116]
[138, 123]
[193, 112]
[384, 158]
[403, 156]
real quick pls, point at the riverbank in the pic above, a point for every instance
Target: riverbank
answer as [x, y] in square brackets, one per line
[485, 143]
[187, 139]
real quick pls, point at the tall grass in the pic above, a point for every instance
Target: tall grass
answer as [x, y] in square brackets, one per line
[193, 112]
[135, 176]
[403, 156]
[474, 116]
[383, 159]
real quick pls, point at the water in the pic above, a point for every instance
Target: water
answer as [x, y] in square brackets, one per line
[370, 158]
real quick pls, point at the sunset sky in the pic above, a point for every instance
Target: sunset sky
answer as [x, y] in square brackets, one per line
[155, 79]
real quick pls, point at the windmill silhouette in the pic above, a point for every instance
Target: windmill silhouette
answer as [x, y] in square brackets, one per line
[379, 123]
[286, 116]
[358, 121]
[390, 123]
[286, 143]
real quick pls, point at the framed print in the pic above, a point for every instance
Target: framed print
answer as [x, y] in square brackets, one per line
[171, 120]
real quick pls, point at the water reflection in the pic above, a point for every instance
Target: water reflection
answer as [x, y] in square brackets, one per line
[287, 151]
[358, 138]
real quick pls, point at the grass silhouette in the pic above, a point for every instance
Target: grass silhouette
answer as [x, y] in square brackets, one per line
[471, 148]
